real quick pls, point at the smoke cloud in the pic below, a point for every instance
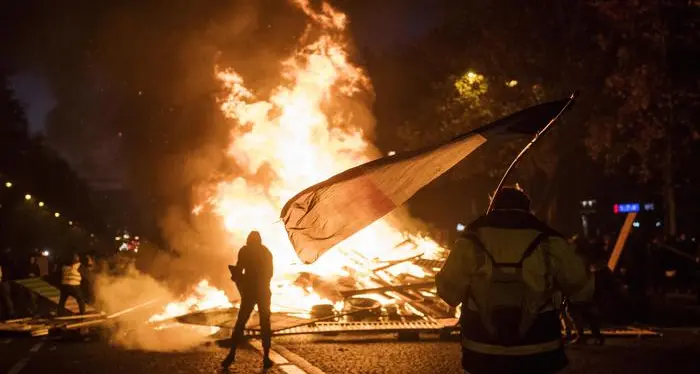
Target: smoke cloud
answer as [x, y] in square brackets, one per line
[116, 294]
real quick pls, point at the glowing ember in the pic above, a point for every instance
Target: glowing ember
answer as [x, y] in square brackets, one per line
[294, 138]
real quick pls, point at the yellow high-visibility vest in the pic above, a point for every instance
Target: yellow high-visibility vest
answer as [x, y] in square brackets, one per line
[71, 275]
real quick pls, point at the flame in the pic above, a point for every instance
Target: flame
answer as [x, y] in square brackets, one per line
[203, 297]
[288, 141]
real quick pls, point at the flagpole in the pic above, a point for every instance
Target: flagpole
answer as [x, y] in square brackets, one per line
[572, 97]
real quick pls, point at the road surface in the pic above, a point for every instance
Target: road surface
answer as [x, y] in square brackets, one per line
[677, 352]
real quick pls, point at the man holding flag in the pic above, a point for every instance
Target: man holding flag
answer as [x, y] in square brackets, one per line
[503, 272]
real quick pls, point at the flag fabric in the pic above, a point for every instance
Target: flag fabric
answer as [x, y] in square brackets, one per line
[323, 215]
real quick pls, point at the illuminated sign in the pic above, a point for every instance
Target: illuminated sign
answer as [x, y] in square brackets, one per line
[626, 208]
[633, 207]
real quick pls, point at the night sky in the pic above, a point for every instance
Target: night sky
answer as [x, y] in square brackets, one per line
[49, 47]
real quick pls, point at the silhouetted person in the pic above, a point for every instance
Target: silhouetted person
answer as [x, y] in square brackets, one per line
[70, 285]
[33, 271]
[7, 309]
[252, 275]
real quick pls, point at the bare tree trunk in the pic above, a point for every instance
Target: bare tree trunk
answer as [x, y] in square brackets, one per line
[669, 192]
[668, 186]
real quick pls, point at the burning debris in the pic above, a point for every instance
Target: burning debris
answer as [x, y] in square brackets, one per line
[310, 127]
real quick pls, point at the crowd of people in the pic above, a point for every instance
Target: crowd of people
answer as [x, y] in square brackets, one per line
[73, 275]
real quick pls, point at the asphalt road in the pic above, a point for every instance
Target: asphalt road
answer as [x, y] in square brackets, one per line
[677, 352]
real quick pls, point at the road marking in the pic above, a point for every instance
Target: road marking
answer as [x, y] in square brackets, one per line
[274, 356]
[36, 347]
[283, 363]
[298, 360]
[18, 366]
[291, 369]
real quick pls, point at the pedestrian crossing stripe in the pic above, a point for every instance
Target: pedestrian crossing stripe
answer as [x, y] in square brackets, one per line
[51, 293]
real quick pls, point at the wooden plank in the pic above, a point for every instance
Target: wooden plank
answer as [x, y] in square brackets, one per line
[388, 289]
[621, 240]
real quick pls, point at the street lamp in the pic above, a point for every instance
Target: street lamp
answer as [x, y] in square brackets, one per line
[41, 203]
[57, 214]
[45, 253]
[8, 184]
[27, 197]
[70, 223]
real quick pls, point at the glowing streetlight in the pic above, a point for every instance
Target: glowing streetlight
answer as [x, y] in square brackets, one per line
[45, 253]
[27, 197]
[41, 203]
[8, 184]
[391, 153]
[117, 238]
[512, 83]
[57, 214]
[136, 237]
[70, 223]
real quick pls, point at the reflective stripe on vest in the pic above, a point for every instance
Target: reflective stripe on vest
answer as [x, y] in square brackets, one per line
[517, 350]
[71, 275]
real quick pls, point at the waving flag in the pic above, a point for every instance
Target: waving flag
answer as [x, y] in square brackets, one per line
[329, 212]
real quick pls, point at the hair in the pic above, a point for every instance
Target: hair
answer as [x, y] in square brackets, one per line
[512, 198]
[254, 238]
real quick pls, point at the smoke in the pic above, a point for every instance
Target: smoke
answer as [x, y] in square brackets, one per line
[115, 294]
[136, 108]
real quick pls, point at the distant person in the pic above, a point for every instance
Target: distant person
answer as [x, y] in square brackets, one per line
[7, 310]
[504, 271]
[33, 271]
[87, 272]
[252, 275]
[70, 285]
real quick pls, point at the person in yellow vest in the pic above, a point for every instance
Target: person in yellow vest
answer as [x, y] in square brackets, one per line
[504, 271]
[70, 285]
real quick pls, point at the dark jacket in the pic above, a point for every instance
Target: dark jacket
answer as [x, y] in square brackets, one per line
[254, 267]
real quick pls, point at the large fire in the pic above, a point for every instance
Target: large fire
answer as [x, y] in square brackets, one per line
[290, 140]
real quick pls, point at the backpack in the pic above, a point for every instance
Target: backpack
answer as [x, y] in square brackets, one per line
[506, 304]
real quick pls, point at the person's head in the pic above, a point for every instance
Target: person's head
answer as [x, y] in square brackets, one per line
[254, 238]
[32, 260]
[511, 198]
[75, 258]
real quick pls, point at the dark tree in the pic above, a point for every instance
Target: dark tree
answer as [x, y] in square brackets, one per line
[646, 124]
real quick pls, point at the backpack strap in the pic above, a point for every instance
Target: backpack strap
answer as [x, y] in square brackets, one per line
[528, 251]
[533, 245]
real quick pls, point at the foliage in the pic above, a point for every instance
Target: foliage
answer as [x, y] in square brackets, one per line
[646, 85]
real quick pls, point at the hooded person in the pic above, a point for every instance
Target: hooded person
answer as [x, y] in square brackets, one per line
[504, 271]
[252, 275]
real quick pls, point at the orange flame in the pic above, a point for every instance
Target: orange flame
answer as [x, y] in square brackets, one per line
[293, 140]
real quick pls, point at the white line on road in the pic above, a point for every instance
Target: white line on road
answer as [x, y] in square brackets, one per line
[18, 366]
[287, 361]
[298, 360]
[274, 356]
[36, 347]
[291, 369]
